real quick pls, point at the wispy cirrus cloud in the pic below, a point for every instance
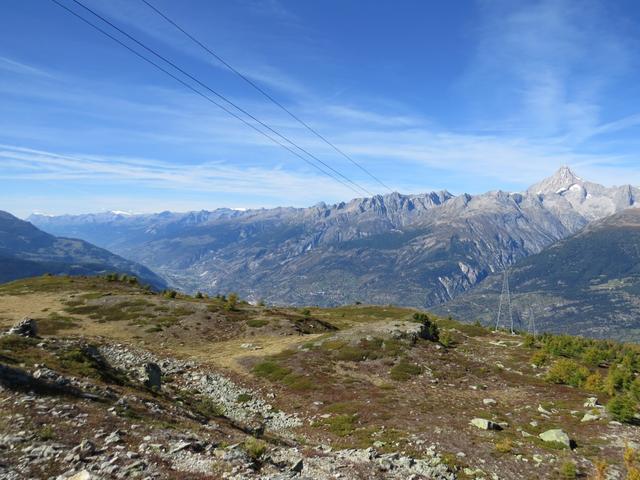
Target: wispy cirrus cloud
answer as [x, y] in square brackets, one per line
[14, 66]
[20, 163]
[551, 64]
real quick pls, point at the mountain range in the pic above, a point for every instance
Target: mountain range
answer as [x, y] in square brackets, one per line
[414, 250]
[26, 251]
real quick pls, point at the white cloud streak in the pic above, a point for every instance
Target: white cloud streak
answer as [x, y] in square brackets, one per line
[21, 163]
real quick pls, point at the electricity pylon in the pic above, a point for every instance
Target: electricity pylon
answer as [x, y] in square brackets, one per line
[505, 302]
[532, 323]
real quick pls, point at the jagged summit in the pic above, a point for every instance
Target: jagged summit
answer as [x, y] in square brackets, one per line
[565, 191]
[558, 183]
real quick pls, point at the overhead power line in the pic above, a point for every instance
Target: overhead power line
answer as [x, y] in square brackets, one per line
[265, 94]
[348, 182]
[222, 97]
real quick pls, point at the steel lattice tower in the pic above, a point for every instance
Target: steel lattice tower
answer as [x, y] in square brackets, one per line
[505, 301]
[532, 323]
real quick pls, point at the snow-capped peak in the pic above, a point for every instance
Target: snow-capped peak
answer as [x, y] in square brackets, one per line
[561, 181]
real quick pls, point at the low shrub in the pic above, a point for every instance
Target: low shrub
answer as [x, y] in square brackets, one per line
[404, 371]
[540, 358]
[594, 383]
[46, 433]
[255, 448]
[429, 329]
[446, 339]
[622, 408]
[504, 446]
[568, 372]
[568, 471]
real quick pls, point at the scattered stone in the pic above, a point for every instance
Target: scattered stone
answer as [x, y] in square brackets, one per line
[592, 402]
[81, 475]
[180, 446]
[114, 437]
[489, 401]
[484, 424]
[543, 410]
[556, 435]
[590, 417]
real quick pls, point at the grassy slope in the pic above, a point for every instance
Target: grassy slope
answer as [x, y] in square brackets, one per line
[341, 370]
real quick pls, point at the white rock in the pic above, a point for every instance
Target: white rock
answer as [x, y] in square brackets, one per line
[484, 424]
[81, 475]
[556, 435]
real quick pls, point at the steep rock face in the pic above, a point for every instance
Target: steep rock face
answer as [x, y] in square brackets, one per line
[27, 251]
[587, 284]
[417, 250]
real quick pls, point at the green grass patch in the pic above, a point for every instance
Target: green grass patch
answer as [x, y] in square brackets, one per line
[348, 407]
[341, 425]
[121, 311]
[274, 372]
[54, 323]
[16, 342]
[367, 350]
[271, 371]
[404, 371]
[45, 433]
[208, 408]
[80, 361]
[257, 323]
[244, 398]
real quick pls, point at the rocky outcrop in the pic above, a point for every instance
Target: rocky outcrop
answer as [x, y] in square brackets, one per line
[27, 327]
[153, 376]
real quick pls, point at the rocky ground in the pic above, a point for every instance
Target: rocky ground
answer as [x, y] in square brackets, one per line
[111, 381]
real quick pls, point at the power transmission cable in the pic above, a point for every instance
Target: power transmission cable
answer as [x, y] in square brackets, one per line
[264, 93]
[197, 92]
[219, 95]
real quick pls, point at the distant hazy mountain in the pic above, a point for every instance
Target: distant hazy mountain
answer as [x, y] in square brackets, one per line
[418, 250]
[26, 251]
[587, 284]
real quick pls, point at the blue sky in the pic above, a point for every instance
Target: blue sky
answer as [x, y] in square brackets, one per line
[465, 96]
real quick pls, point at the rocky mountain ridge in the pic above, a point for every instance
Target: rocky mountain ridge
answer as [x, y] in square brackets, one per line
[416, 250]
